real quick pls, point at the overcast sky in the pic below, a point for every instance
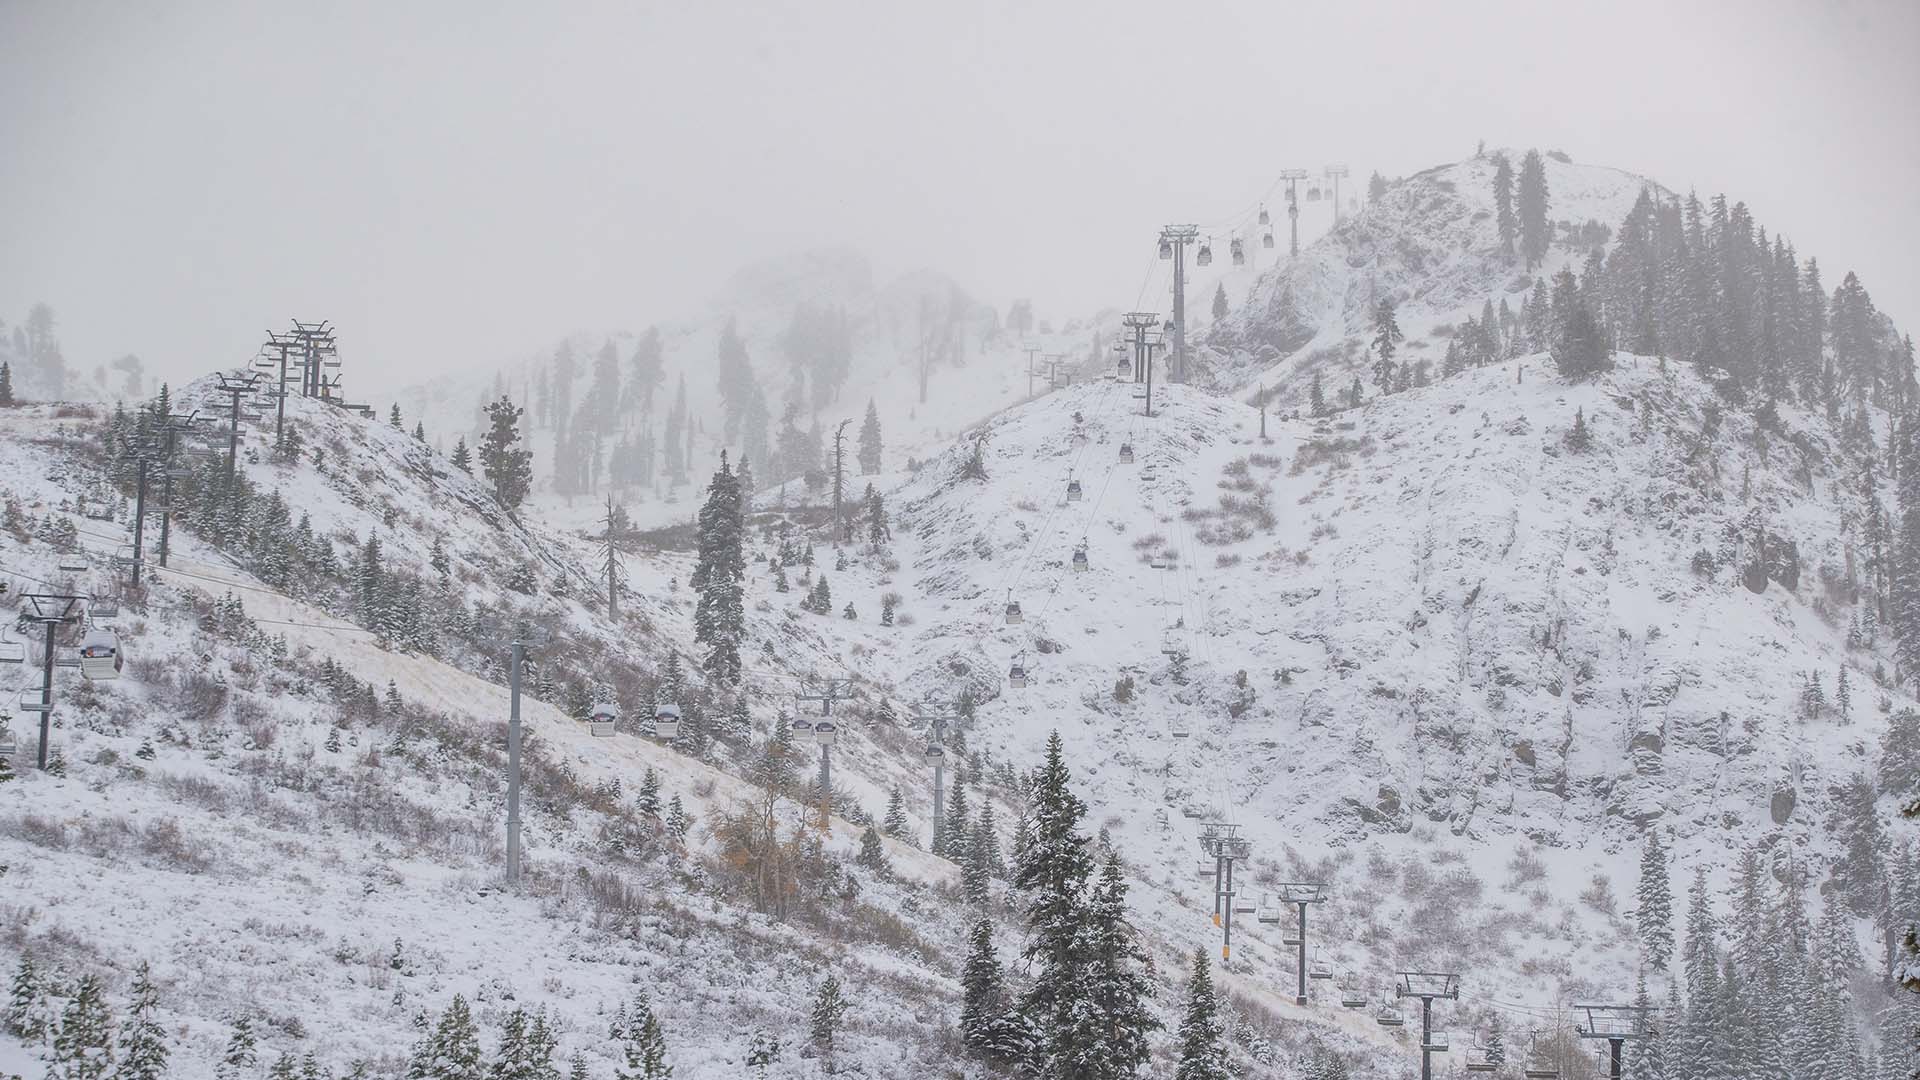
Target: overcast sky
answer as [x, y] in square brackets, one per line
[456, 183]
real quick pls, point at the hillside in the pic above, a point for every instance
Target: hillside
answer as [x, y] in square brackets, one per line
[1430, 244]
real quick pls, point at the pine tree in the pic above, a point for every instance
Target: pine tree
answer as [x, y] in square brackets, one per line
[647, 802]
[1536, 231]
[239, 1058]
[419, 431]
[26, 1017]
[1202, 1056]
[1854, 820]
[895, 823]
[873, 853]
[643, 1052]
[6, 386]
[1843, 696]
[1496, 1043]
[1654, 914]
[982, 850]
[1507, 224]
[1220, 301]
[718, 577]
[983, 998]
[956, 820]
[1579, 438]
[1376, 187]
[1052, 874]
[1386, 337]
[679, 822]
[462, 457]
[1106, 1031]
[509, 470]
[869, 452]
[1578, 348]
[1316, 397]
[452, 1052]
[828, 1006]
[1899, 769]
[513, 1059]
[143, 1042]
[83, 1047]
[1903, 615]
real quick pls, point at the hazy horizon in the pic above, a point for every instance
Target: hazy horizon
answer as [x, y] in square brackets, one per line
[457, 187]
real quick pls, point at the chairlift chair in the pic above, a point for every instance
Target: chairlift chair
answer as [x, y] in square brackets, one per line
[1477, 1060]
[1319, 969]
[1179, 730]
[100, 654]
[666, 721]
[74, 563]
[1074, 493]
[1208, 869]
[1190, 812]
[1017, 676]
[32, 702]
[1435, 1041]
[105, 609]
[1540, 1070]
[1126, 453]
[825, 732]
[1351, 996]
[1014, 615]
[1291, 936]
[1243, 905]
[1239, 253]
[1264, 219]
[12, 652]
[1205, 258]
[1390, 1016]
[603, 718]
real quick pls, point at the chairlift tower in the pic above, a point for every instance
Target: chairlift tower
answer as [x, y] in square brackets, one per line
[51, 610]
[175, 426]
[1173, 244]
[1223, 843]
[933, 714]
[235, 386]
[1147, 330]
[824, 734]
[1617, 1025]
[1429, 986]
[1293, 178]
[1300, 894]
[1334, 173]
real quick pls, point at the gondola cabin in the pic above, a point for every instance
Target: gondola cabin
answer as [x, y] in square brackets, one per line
[1017, 677]
[666, 721]
[1074, 494]
[1014, 615]
[602, 720]
[100, 656]
[802, 729]
[1080, 564]
[1126, 453]
[935, 754]
[825, 732]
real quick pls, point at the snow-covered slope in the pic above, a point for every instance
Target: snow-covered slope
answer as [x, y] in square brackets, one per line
[1430, 244]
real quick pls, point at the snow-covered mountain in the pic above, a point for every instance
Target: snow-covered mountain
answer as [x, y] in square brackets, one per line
[1430, 244]
[1435, 652]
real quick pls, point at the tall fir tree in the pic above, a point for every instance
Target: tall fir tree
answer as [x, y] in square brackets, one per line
[1220, 301]
[1653, 916]
[1052, 875]
[1536, 230]
[1504, 219]
[143, 1041]
[719, 577]
[1386, 339]
[643, 1048]
[237, 1061]
[869, 453]
[824, 1022]
[83, 1047]
[1202, 1055]
[508, 469]
[985, 1022]
[1106, 1031]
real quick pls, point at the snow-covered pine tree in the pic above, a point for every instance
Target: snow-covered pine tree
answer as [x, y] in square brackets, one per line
[1579, 438]
[285, 1067]
[976, 869]
[1579, 348]
[513, 1057]
[869, 447]
[1854, 821]
[1386, 339]
[1536, 231]
[452, 1052]
[1220, 301]
[1899, 767]
[1052, 876]
[983, 995]
[143, 1042]
[719, 619]
[28, 1017]
[643, 1052]
[237, 1061]
[1106, 1029]
[6, 386]
[508, 469]
[83, 1047]
[1843, 696]
[1653, 916]
[462, 457]
[873, 853]
[824, 1023]
[1903, 615]
[895, 823]
[1504, 219]
[1316, 397]
[1202, 1055]
[956, 822]
[679, 822]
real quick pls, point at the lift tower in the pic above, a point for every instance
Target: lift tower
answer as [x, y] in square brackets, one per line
[1221, 842]
[1428, 986]
[1145, 326]
[1617, 1024]
[1173, 245]
[1293, 178]
[1300, 894]
[824, 734]
[1334, 173]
